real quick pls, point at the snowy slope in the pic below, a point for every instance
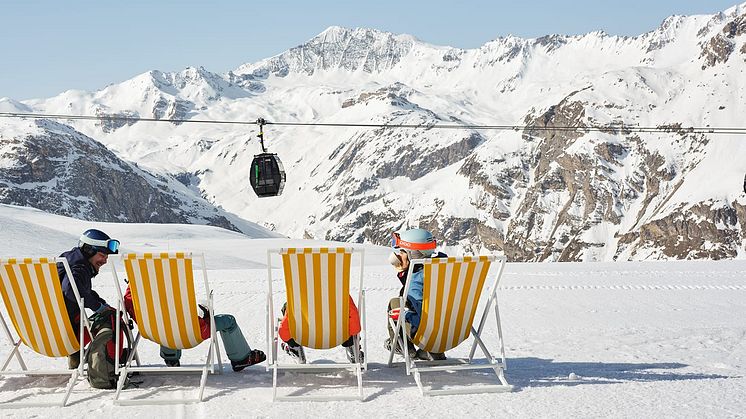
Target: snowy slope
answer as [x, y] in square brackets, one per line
[535, 194]
[640, 339]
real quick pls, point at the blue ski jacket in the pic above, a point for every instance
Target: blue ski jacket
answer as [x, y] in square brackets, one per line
[414, 296]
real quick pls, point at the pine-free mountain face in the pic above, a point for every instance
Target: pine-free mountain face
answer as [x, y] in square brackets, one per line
[51, 166]
[538, 193]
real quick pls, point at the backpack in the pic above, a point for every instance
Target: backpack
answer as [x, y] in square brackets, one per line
[100, 354]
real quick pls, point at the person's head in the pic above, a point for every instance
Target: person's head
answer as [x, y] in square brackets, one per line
[417, 242]
[96, 246]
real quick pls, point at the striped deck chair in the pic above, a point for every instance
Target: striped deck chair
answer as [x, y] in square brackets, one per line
[451, 293]
[165, 307]
[32, 292]
[317, 282]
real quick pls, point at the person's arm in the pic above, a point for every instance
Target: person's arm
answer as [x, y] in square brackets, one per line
[91, 299]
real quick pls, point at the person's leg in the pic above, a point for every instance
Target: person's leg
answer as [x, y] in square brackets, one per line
[73, 360]
[349, 346]
[171, 356]
[413, 316]
[394, 304]
[236, 347]
[234, 342]
[349, 342]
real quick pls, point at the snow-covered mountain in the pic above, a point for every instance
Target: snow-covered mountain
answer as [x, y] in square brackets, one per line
[540, 193]
[51, 166]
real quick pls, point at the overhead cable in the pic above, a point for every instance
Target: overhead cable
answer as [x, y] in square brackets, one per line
[613, 127]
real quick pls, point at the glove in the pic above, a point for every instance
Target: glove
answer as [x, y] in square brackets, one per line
[394, 313]
[205, 312]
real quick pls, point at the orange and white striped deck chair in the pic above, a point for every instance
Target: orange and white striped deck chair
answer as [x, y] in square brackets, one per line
[452, 288]
[32, 292]
[317, 282]
[165, 307]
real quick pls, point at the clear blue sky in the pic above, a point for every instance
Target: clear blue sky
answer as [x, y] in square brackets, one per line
[47, 47]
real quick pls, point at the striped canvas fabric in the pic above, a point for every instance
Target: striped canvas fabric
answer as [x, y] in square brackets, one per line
[32, 292]
[452, 287]
[163, 297]
[318, 286]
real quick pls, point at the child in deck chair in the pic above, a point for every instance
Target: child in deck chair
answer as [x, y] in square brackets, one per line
[236, 347]
[85, 260]
[409, 245]
[295, 350]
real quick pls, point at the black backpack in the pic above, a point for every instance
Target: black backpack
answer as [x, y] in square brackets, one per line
[100, 352]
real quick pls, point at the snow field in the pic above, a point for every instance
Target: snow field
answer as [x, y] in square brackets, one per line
[627, 339]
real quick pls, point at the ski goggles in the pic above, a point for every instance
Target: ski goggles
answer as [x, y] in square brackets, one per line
[398, 243]
[110, 246]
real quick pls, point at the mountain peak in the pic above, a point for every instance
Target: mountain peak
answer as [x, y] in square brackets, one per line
[336, 47]
[11, 105]
[332, 32]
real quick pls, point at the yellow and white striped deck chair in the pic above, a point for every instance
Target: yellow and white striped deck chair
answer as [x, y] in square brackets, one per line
[317, 282]
[32, 292]
[452, 288]
[166, 312]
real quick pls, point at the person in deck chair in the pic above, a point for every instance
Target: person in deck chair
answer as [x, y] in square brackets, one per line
[295, 350]
[85, 260]
[411, 244]
[234, 342]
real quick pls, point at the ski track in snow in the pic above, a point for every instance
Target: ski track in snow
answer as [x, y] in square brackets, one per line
[560, 288]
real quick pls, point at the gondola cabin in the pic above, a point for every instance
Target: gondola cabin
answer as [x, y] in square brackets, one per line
[267, 176]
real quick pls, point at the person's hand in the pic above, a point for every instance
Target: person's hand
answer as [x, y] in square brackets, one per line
[404, 259]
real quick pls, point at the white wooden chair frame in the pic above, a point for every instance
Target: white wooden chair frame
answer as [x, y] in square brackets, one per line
[416, 367]
[83, 327]
[210, 366]
[274, 341]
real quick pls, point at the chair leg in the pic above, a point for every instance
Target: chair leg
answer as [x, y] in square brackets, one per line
[214, 344]
[16, 351]
[120, 383]
[274, 383]
[203, 379]
[359, 371]
[418, 380]
[478, 341]
[69, 390]
[394, 339]
[365, 331]
[268, 333]
[124, 371]
[15, 348]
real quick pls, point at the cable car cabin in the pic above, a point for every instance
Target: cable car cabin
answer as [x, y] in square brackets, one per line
[267, 176]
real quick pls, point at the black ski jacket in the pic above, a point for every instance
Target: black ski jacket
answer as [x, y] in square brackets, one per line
[83, 272]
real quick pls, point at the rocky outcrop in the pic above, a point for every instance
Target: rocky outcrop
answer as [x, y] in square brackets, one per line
[61, 171]
[173, 109]
[719, 48]
[109, 122]
[706, 230]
